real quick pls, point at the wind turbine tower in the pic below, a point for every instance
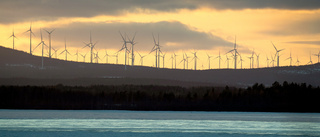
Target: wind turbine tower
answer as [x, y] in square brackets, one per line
[65, 50]
[310, 62]
[250, 61]
[290, 58]
[209, 60]
[277, 53]
[184, 62]
[187, 59]
[241, 60]
[227, 61]
[43, 44]
[171, 61]
[195, 60]
[84, 57]
[267, 61]
[49, 32]
[107, 55]
[318, 55]
[124, 47]
[235, 53]
[163, 56]
[156, 48]
[55, 52]
[141, 58]
[91, 46]
[298, 62]
[258, 55]
[13, 37]
[219, 58]
[77, 54]
[132, 51]
[175, 60]
[31, 33]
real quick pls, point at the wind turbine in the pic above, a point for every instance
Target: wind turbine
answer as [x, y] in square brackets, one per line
[227, 61]
[209, 60]
[124, 47]
[116, 55]
[91, 46]
[290, 58]
[43, 44]
[298, 62]
[184, 62]
[257, 59]
[156, 48]
[172, 61]
[30, 30]
[55, 52]
[97, 57]
[241, 60]
[272, 60]
[310, 62]
[175, 60]
[277, 53]
[13, 37]
[65, 50]
[250, 57]
[107, 55]
[163, 56]
[84, 57]
[187, 59]
[318, 55]
[141, 58]
[195, 57]
[132, 51]
[77, 54]
[49, 32]
[267, 61]
[219, 58]
[235, 53]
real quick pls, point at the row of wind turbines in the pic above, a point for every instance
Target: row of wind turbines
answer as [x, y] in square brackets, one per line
[129, 53]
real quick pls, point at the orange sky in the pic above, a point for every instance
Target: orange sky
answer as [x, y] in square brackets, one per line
[206, 29]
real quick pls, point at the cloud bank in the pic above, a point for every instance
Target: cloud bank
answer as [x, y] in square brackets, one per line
[28, 10]
[173, 36]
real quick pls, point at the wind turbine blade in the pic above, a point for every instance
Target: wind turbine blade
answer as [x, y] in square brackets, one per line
[274, 46]
[158, 39]
[46, 45]
[46, 31]
[154, 40]
[122, 37]
[32, 33]
[37, 46]
[134, 36]
[61, 52]
[52, 30]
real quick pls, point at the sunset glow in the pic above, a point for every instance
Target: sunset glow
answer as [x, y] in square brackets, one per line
[182, 29]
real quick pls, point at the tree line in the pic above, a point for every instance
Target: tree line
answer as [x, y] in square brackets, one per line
[285, 97]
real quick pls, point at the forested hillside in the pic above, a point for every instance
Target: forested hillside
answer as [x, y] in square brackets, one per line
[285, 97]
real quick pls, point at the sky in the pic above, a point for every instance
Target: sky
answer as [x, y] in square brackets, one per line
[184, 26]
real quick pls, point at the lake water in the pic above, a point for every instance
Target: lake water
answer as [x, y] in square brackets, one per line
[90, 123]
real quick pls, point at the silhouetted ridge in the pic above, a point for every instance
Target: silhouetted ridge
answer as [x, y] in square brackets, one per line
[17, 64]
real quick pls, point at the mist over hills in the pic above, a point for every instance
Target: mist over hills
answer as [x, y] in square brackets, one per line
[21, 68]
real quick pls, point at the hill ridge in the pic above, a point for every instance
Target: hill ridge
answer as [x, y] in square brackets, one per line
[19, 64]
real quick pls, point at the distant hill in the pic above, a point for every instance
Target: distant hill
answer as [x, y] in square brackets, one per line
[21, 68]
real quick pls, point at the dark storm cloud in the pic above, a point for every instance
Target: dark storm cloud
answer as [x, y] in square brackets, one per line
[108, 36]
[31, 10]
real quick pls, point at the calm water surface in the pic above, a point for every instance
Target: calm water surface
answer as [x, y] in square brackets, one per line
[57, 123]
